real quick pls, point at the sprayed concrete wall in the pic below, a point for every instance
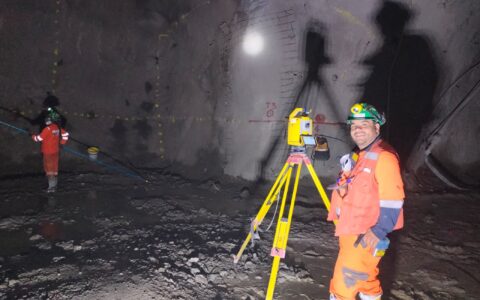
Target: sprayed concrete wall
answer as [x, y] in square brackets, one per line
[167, 83]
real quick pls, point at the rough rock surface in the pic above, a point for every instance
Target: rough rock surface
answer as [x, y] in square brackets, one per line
[105, 237]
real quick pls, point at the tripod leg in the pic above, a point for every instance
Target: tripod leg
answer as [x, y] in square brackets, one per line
[319, 186]
[277, 186]
[273, 277]
[281, 235]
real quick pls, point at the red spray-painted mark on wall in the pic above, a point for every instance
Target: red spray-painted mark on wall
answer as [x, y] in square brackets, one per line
[270, 112]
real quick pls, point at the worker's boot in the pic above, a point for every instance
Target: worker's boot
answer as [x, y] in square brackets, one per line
[369, 297]
[52, 184]
[55, 182]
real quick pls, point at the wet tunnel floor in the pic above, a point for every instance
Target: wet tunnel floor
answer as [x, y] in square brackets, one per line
[105, 237]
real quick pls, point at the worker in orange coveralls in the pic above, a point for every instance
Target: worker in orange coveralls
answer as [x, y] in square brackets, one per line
[51, 137]
[367, 204]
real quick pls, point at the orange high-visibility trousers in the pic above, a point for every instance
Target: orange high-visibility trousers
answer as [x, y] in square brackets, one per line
[50, 164]
[355, 271]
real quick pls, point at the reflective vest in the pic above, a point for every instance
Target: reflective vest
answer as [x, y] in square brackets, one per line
[356, 204]
[50, 138]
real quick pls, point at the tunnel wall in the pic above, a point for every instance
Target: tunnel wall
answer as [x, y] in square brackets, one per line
[138, 79]
[167, 84]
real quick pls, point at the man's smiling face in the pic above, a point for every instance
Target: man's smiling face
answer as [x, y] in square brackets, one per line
[364, 132]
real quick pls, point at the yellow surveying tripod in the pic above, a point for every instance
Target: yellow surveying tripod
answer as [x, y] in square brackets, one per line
[299, 136]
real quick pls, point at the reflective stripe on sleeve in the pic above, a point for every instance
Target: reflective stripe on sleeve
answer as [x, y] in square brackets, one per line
[391, 203]
[38, 138]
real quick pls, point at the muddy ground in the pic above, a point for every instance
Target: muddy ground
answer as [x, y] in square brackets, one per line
[108, 237]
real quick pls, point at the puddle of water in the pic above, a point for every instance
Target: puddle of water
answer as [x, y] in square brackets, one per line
[14, 242]
[80, 229]
[24, 205]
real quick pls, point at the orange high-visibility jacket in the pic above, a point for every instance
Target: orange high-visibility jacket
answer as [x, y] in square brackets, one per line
[370, 185]
[50, 138]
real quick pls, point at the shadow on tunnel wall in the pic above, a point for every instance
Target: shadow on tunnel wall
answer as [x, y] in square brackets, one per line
[403, 79]
[402, 83]
[53, 102]
[310, 90]
[314, 89]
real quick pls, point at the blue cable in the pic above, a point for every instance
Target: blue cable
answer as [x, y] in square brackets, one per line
[111, 167]
[11, 126]
[70, 150]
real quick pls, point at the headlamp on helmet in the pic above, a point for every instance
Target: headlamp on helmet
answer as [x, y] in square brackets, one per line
[52, 115]
[364, 111]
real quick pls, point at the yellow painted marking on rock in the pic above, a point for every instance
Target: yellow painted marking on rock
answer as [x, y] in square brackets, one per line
[354, 20]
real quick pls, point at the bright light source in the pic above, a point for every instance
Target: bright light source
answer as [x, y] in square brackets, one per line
[253, 43]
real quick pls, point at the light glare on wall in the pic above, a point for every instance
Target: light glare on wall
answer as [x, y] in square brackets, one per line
[253, 43]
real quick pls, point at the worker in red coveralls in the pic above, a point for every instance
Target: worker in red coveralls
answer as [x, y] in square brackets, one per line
[51, 137]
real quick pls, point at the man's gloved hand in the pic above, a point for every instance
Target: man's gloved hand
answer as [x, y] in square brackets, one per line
[347, 163]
